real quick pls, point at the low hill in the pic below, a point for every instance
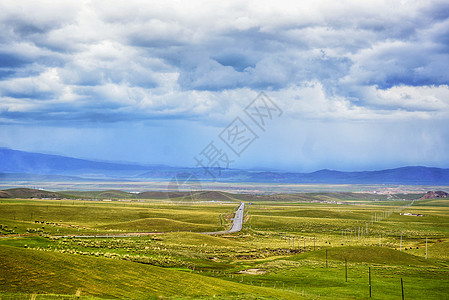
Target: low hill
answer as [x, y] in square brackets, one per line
[30, 193]
[214, 195]
[25, 270]
[435, 195]
[107, 194]
[198, 195]
[160, 195]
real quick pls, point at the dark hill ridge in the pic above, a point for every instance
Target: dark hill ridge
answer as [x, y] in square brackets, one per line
[30, 193]
[26, 166]
[212, 195]
[206, 195]
[434, 195]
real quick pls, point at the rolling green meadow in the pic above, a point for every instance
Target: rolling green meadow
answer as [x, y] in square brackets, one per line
[292, 246]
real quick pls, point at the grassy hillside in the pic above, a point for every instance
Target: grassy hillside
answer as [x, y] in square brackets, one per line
[30, 271]
[96, 247]
[111, 194]
[367, 255]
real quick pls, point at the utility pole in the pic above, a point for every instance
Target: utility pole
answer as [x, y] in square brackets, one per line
[369, 272]
[326, 258]
[402, 289]
[426, 247]
[346, 270]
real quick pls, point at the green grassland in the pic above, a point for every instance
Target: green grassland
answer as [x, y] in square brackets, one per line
[292, 246]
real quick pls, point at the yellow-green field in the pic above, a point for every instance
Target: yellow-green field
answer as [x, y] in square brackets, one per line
[288, 249]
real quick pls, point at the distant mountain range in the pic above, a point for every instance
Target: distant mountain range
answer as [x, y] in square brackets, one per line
[14, 161]
[27, 166]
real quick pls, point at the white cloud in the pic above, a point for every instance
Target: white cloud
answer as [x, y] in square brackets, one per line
[46, 83]
[321, 59]
[431, 99]
[358, 81]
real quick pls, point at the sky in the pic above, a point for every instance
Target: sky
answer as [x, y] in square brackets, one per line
[346, 85]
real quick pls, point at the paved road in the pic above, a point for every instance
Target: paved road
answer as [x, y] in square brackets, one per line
[237, 224]
[238, 219]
